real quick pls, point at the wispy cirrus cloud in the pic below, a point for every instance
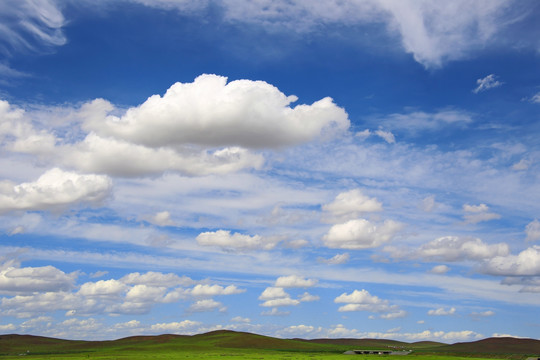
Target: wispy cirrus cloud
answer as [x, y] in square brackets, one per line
[30, 25]
[486, 83]
[415, 122]
[434, 33]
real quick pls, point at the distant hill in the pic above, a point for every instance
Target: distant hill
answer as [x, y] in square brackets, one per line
[510, 348]
[502, 345]
[364, 343]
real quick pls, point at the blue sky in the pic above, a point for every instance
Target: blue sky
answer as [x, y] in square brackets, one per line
[289, 168]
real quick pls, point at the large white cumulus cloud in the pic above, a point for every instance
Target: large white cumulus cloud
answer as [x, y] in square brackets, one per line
[204, 127]
[212, 112]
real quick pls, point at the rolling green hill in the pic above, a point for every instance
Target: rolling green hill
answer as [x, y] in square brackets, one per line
[218, 341]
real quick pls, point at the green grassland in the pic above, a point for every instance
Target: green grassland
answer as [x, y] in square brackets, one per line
[237, 345]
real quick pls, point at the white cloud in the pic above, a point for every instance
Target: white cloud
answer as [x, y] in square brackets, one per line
[7, 72]
[211, 112]
[205, 290]
[486, 313]
[7, 327]
[536, 98]
[296, 244]
[294, 281]
[131, 160]
[350, 204]
[298, 331]
[206, 305]
[128, 324]
[526, 263]
[26, 306]
[307, 297]
[486, 83]
[336, 259]
[531, 284]
[358, 297]
[18, 230]
[162, 218]
[77, 328]
[145, 294]
[17, 280]
[478, 213]
[363, 134]
[55, 189]
[277, 297]
[275, 312]
[428, 204]
[440, 269]
[175, 327]
[394, 315]
[227, 241]
[533, 230]
[98, 274]
[362, 300]
[183, 6]
[361, 234]
[156, 279]
[522, 165]
[442, 312]
[240, 319]
[134, 293]
[199, 128]
[386, 136]
[436, 32]
[103, 288]
[453, 248]
[271, 293]
[506, 335]
[451, 336]
[280, 302]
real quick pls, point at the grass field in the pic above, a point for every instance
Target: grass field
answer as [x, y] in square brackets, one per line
[235, 345]
[252, 354]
